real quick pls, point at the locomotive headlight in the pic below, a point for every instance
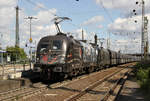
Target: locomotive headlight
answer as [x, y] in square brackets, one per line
[37, 59]
[37, 69]
[57, 69]
[65, 46]
[62, 60]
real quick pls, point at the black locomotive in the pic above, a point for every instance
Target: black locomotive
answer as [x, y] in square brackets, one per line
[63, 56]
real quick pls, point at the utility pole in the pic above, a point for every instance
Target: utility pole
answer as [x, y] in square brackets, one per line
[1, 35]
[146, 38]
[95, 38]
[108, 41]
[142, 30]
[82, 34]
[144, 34]
[17, 26]
[30, 39]
[144, 44]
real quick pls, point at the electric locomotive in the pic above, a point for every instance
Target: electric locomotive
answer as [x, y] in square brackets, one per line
[61, 55]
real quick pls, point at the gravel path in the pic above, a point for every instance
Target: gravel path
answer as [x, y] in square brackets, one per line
[131, 91]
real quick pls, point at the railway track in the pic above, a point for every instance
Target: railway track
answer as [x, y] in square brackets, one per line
[94, 85]
[21, 92]
[85, 88]
[61, 88]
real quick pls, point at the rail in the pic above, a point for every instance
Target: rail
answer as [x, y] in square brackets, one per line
[83, 92]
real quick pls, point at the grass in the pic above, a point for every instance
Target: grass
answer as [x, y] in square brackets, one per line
[142, 72]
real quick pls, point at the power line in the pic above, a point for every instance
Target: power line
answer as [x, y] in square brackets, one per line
[40, 7]
[106, 11]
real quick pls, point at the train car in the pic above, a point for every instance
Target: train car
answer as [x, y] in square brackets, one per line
[113, 58]
[103, 58]
[90, 54]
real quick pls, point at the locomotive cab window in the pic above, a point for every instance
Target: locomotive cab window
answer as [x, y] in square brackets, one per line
[57, 45]
[43, 47]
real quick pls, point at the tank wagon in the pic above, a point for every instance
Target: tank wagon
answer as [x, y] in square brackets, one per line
[63, 56]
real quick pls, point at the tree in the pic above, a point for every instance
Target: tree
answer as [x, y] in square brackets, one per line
[16, 53]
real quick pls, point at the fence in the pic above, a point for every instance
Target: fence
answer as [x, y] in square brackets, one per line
[12, 69]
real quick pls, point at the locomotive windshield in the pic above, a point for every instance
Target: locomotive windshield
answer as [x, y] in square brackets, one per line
[43, 47]
[53, 45]
[57, 45]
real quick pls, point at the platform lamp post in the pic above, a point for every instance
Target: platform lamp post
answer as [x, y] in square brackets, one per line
[30, 39]
[2, 59]
[1, 35]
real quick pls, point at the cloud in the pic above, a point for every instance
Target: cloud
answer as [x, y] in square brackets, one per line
[7, 12]
[40, 27]
[100, 26]
[39, 6]
[78, 34]
[125, 25]
[7, 16]
[127, 28]
[45, 17]
[126, 45]
[7, 3]
[125, 6]
[115, 4]
[93, 20]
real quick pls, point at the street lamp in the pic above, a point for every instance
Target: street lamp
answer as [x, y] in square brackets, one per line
[1, 35]
[30, 39]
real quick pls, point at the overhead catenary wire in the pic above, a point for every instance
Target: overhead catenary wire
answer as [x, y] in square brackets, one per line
[128, 17]
[108, 14]
[44, 8]
[40, 7]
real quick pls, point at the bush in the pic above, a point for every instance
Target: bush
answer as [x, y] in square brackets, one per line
[143, 75]
[143, 65]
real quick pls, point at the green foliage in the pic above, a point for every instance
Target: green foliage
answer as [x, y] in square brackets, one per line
[143, 75]
[16, 53]
[143, 64]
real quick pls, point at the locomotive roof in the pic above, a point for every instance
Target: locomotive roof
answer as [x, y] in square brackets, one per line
[54, 37]
[60, 36]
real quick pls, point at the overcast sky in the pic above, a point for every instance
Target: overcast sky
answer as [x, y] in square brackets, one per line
[93, 16]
